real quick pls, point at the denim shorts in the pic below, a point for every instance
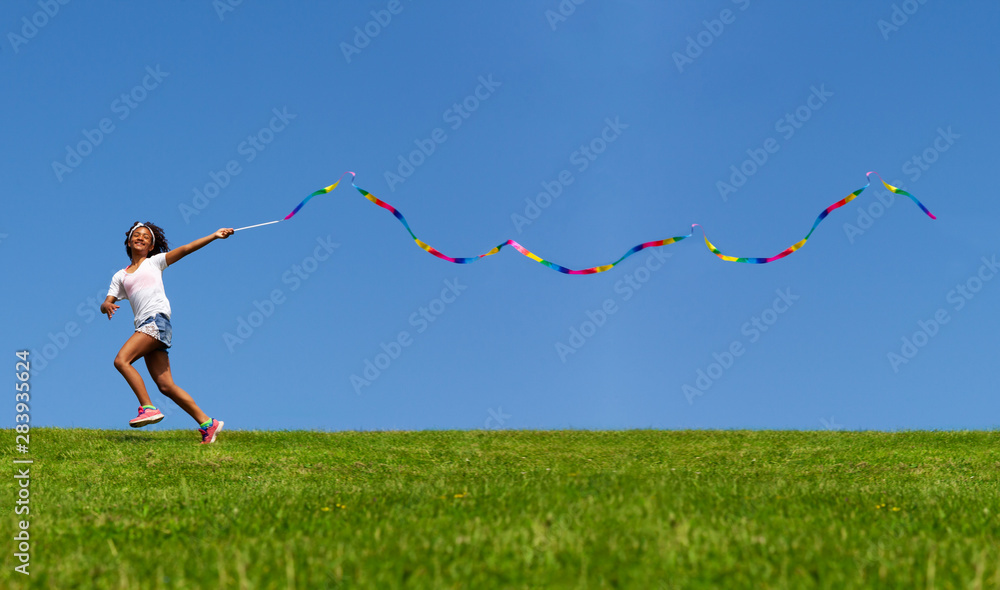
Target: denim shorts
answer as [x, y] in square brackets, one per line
[158, 327]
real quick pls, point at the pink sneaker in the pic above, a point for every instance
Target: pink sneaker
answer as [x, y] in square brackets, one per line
[208, 434]
[146, 416]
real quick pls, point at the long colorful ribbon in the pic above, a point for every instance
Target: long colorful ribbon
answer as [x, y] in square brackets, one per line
[596, 269]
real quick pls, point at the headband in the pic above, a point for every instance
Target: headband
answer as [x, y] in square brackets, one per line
[137, 226]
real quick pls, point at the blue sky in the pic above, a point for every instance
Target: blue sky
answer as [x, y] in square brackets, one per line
[578, 130]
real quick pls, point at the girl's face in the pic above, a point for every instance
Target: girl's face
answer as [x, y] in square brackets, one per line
[141, 241]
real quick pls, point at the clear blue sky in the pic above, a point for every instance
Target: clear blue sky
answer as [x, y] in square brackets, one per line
[116, 112]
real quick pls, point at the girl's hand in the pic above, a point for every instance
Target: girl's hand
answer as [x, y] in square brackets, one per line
[109, 308]
[224, 233]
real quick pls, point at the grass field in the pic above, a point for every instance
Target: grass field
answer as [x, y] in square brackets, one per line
[509, 509]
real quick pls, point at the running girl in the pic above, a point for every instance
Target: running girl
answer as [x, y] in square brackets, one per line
[141, 282]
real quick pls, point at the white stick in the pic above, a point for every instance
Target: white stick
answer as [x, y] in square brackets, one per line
[258, 225]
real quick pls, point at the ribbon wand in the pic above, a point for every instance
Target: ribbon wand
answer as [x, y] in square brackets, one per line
[258, 225]
[321, 191]
[605, 267]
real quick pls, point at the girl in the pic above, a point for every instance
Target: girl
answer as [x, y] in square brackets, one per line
[142, 284]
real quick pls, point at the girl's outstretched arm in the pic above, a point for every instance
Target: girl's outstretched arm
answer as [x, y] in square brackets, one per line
[178, 253]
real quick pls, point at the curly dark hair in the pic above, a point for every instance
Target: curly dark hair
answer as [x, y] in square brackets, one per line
[159, 240]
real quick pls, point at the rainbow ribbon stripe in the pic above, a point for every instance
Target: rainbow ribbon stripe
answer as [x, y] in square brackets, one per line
[596, 269]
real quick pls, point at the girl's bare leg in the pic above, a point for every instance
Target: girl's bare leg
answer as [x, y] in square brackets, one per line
[158, 363]
[137, 346]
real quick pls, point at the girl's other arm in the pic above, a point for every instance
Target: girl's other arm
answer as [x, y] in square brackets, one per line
[178, 253]
[109, 307]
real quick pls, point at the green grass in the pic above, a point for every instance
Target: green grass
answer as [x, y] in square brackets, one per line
[509, 509]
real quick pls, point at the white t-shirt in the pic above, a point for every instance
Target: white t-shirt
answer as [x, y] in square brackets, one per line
[143, 288]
